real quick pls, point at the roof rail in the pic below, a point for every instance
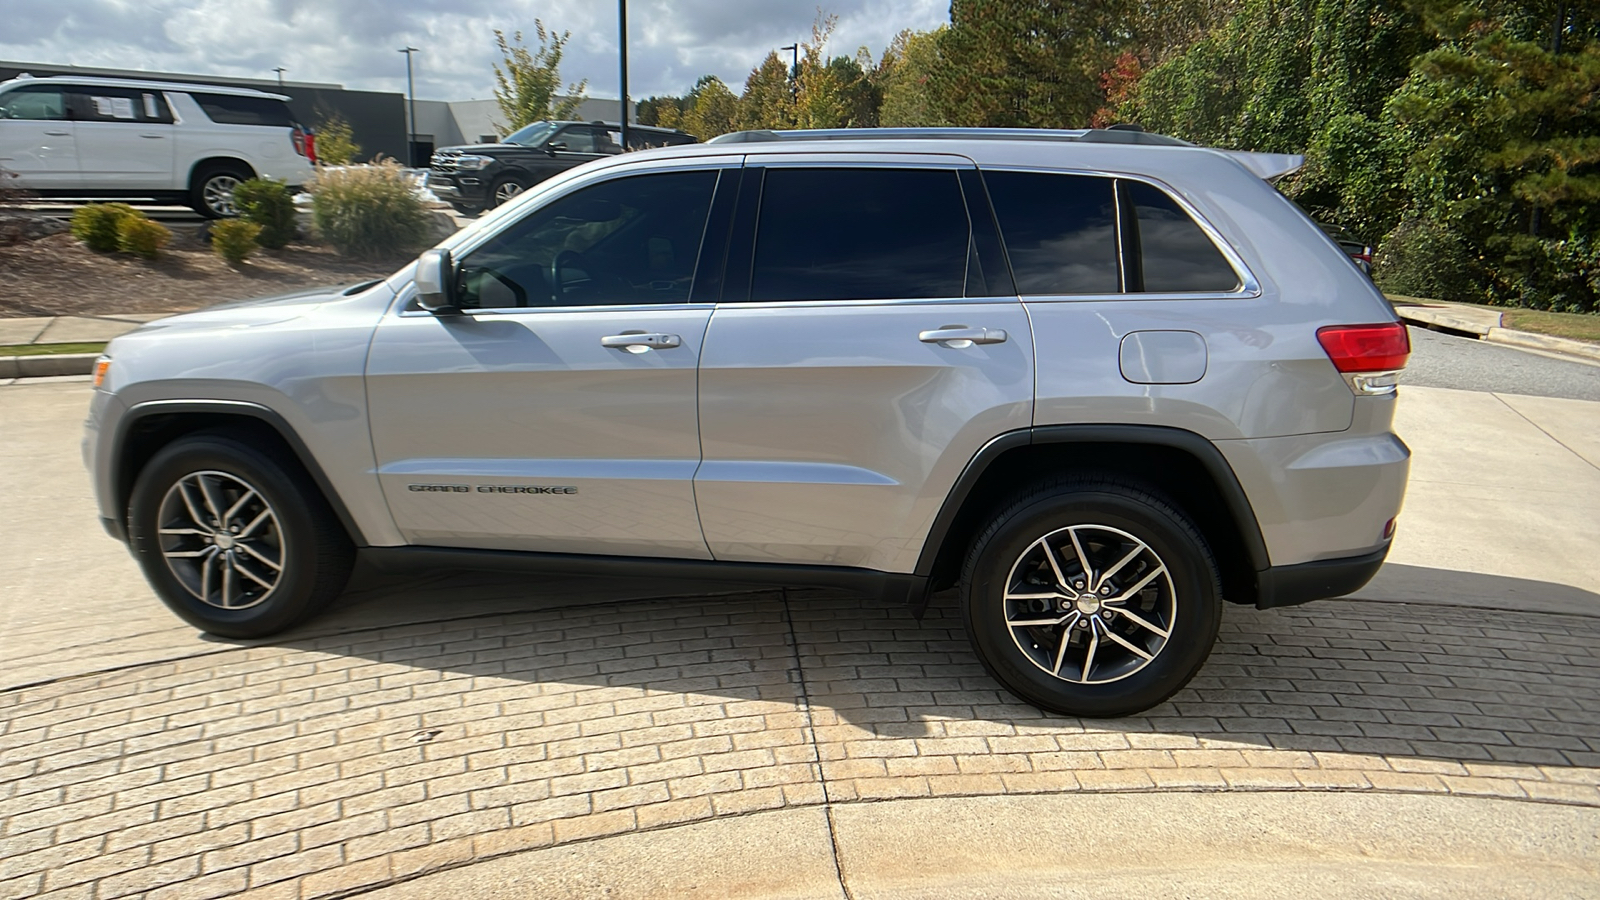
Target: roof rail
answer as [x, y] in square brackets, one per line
[1086, 135]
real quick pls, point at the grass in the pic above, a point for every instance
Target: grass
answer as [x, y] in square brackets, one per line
[48, 349]
[1577, 326]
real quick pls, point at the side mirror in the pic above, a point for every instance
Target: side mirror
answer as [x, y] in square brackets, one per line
[553, 147]
[434, 278]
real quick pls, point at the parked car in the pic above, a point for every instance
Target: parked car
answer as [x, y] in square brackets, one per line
[482, 176]
[1101, 385]
[69, 136]
[1359, 251]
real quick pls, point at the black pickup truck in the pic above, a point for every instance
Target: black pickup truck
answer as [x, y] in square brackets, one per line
[482, 176]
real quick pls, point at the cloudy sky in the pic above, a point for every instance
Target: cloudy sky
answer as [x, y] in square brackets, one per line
[353, 42]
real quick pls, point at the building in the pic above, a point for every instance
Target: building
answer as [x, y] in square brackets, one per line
[377, 119]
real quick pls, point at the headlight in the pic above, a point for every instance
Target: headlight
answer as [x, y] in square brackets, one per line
[472, 162]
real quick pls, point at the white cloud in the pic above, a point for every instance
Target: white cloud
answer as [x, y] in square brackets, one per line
[354, 42]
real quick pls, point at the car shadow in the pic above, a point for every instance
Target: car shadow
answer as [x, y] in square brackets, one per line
[1376, 677]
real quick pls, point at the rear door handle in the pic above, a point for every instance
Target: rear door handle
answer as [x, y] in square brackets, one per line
[640, 342]
[959, 336]
[155, 136]
[58, 133]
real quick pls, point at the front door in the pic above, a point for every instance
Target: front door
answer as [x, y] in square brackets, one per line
[873, 346]
[38, 138]
[557, 412]
[125, 138]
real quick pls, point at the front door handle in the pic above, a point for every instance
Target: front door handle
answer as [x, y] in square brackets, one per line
[958, 337]
[640, 342]
[58, 133]
[153, 136]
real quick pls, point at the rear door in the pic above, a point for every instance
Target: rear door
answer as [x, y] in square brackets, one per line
[868, 343]
[557, 413]
[38, 141]
[125, 138]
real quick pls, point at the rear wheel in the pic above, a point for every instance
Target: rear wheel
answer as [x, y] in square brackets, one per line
[1091, 597]
[211, 190]
[235, 539]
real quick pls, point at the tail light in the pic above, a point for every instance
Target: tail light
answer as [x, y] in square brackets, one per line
[305, 142]
[1369, 357]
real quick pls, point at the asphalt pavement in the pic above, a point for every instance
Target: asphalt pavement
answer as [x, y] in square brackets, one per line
[1468, 364]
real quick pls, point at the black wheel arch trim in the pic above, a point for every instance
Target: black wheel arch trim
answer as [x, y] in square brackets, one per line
[1206, 453]
[121, 483]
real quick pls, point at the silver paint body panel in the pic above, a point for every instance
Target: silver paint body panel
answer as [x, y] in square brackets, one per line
[799, 433]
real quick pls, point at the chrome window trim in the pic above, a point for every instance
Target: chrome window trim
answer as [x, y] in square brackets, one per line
[1249, 285]
[814, 159]
[833, 304]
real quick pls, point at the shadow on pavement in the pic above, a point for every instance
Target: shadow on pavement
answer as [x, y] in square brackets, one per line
[1420, 584]
[1344, 677]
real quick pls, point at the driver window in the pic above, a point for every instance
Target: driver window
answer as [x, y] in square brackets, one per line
[47, 105]
[578, 140]
[632, 240]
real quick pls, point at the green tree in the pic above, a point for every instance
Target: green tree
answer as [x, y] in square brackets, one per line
[712, 109]
[336, 144]
[907, 72]
[1507, 137]
[768, 99]
[819, 96]
[528, 84]
[1029, 63]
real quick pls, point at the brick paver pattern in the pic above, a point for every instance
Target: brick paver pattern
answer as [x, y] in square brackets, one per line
[315, 768]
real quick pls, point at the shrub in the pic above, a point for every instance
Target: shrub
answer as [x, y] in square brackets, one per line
[235, 239]
[336, 144]
[96, 224]
[1421, 258]
[141, 237]
[368, 211]
[269, 204]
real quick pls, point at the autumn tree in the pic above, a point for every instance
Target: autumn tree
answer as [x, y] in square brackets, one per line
[907, 70]
[528, 84]
[768, 100]
[711, 110]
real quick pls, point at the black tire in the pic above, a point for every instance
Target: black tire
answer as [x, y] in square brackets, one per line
[1103, 511]
[310, 545]
[500, 186]
[208, 180]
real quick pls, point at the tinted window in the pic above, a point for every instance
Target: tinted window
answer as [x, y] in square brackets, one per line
[102, 104]
[33, 104]
[860, 234]
[1060, 231]
[631, 240]
[583, 139]
[1175, 254]
[226, 109]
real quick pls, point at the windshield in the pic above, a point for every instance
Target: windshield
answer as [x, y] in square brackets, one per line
[531, 135]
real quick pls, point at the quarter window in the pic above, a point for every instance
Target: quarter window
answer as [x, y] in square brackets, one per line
[1059, 230]
[860, 234]
[231, 109]
[632, 240]
[1174, 253]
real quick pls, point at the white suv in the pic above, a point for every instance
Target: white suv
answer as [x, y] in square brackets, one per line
[112, 137]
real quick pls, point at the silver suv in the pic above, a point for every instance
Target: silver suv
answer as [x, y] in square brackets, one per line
[1101, 381]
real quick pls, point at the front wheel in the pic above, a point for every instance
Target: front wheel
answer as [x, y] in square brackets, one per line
[1091, 597]
[505, 189]
[235, 540]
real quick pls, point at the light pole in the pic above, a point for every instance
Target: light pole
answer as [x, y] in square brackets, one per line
[411, 115]
[622, 28]
[794, 71]
[280, 70]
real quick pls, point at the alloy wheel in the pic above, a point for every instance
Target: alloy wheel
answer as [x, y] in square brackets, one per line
[221, 540]
[218, 195]
[1090, 604]
[505, 191]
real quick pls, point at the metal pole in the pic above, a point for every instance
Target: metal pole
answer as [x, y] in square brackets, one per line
[280, 70]
[622, 28]
[411, 116]
[794, 71]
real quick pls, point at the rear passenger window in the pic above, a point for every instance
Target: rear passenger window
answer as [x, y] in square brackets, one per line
[1059, 230]
[228, 109]
[860, 234]
[1175, 255]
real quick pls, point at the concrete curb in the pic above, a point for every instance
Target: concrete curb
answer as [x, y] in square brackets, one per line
[1543, 342]
[47, 365]
[1444, 318]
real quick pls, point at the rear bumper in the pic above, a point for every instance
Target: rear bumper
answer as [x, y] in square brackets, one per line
[1320, 580]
